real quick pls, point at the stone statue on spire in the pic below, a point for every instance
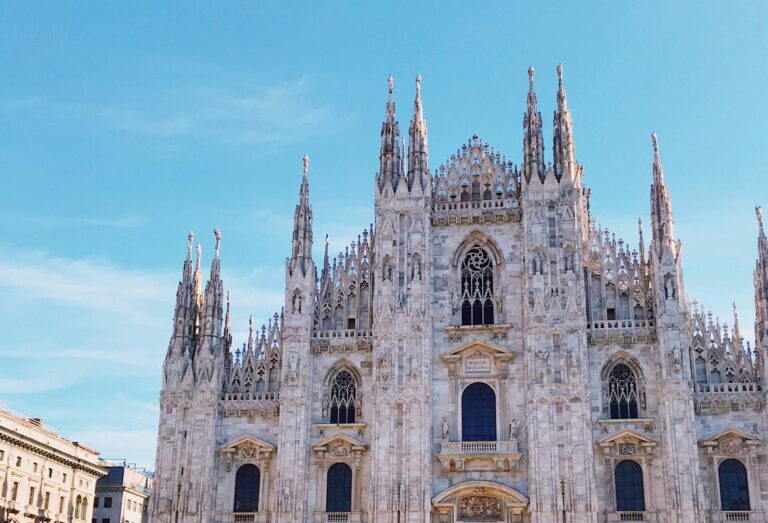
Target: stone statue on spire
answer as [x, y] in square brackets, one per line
[759, 214]
[391, 83]
[217, 235]
[306, 164]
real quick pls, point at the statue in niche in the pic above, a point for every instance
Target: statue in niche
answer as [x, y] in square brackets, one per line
[297, 301]
[445, 431]
[293, 366]
[387, 269]
[677, 358]
[513, 429]
[285, 496]
[536, 264]
[416, 269]
[669, 287]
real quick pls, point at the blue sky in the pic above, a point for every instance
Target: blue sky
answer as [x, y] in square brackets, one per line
[123, 126]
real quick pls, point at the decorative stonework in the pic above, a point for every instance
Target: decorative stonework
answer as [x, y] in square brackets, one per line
[480, 508]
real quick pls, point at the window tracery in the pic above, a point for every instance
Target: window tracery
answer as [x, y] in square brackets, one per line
[477, 288]
[343, 398]
[623, 397]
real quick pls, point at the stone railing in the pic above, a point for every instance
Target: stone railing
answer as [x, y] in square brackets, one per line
[331, 340]
[337, 517]
[249, 517]
[251, 403]
[728, 387]
[251, 396]
[621, 330]
[738, 515]
[343, 333]
[455, 212]
[725, 397]
[615, 517]
[477, 455]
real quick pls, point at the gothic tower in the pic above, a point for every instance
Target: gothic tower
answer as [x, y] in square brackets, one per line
[296, 373]
[402, 326]
[192, 381]
[676, 412]
[555, 222]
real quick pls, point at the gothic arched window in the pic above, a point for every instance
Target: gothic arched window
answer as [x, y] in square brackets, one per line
[478, 413]
[343, 393]
[247, 484]
[630, 494]
[622, 393]
[477, 288]
[734, 489]
[338, 497]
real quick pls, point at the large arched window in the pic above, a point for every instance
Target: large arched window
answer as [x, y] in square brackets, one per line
[78, 503]
[622, 393]
[734, 489]
[247, 484]
[343, 392]
[478, 413]
[630, 494]
[477, 288]
[338, 496]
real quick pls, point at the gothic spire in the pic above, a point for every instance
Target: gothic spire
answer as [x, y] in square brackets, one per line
[563, 147]
[662, 224]
[761, 284]
[418, 169]
[183, 317]
[301, 251]
[389, 155]
[533, 142]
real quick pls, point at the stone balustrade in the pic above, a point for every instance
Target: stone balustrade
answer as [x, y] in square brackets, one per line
[479, 455]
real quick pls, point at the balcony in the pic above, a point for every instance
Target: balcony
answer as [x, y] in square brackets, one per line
[738, 515]
[602, 331]
[337, 517]
[249, 517]
[500, 210]
[479, 455]
[341, 340]
[251, 403]
[726, 397]
[615, 517]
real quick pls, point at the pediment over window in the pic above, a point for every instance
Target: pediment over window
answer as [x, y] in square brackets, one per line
[478, 358]
[247, 444]
[478, 501]
[247, 449]
[340, 445]
[730, 441]
[627, 443]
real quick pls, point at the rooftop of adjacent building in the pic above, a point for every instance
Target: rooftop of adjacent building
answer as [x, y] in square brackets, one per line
[124, 475]
[33, 429]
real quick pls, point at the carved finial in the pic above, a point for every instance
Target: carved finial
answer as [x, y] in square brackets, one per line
[199, 252]
[306, 164]
[391, 83]
[560, 74]
[190, 240]
[250, 324]
[418, 85]
[655, 142]
[531, 74]
[326, 243]
[759, 214]
[217, 235]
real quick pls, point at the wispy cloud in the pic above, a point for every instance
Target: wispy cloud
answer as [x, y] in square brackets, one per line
[265, 115]
[69, 222]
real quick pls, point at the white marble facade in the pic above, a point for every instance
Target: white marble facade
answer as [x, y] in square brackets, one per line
[483, 352]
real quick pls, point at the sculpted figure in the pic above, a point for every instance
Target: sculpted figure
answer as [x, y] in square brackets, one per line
[513, 429]
[444, 428]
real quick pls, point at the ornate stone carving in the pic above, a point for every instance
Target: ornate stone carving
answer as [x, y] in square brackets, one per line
[627, 449]
[732, 445]
[480, 508]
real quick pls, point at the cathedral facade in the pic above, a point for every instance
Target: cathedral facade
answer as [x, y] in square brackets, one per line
[484, 352]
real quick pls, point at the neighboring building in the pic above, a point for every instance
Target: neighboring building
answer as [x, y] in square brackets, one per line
[484, 352]
[44, 477]
[122, 495]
